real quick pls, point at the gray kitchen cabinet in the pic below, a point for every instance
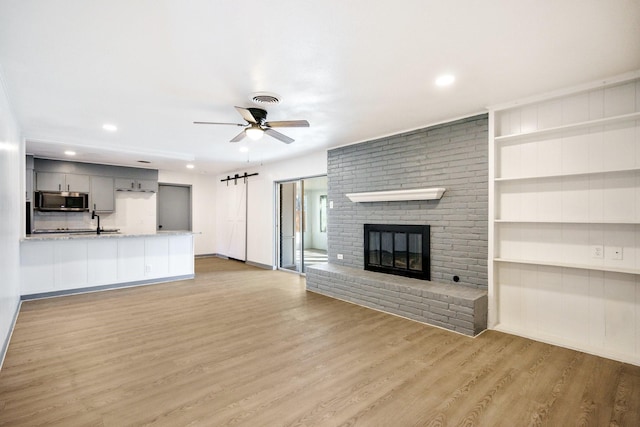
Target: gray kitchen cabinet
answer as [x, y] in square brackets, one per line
[147, 185]
[54, 181]
[102, 194]
[49, 181]
[130, 184]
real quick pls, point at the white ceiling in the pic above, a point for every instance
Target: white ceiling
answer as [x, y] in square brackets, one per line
[356, 69]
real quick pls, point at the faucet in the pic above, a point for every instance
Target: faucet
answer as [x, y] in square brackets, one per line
[93, 216]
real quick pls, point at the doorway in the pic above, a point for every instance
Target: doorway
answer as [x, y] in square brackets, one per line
[302, 223]
[174, 207]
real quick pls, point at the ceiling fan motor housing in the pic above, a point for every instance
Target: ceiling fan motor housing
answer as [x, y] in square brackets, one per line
[259, 114]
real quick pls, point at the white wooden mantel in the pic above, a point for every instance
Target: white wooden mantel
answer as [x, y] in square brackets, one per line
[398, 195]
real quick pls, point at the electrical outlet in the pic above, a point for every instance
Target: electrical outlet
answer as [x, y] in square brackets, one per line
[147, 268]
[340, 256]
[330, 204]
[616, 253]
[597, 251]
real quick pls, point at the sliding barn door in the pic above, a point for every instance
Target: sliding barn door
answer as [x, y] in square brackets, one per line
[235, 242]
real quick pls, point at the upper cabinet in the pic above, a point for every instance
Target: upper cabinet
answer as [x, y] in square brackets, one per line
[54, 181]
[102, 194]
[129, 184]
[100, 181]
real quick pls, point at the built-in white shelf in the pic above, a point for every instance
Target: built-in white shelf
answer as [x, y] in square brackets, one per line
[570, 265]
[530, 221]
[398, 195]
[560, 175]
[572, 126]
[561, 192]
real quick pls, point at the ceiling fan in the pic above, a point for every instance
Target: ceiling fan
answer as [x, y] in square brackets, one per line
[257, 125]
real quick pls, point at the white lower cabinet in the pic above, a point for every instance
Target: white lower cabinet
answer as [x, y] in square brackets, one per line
[36, 267]
[156, 257]
[130, 260]
[70, 264]
[102, 259]
[56, 264]
[181, 255]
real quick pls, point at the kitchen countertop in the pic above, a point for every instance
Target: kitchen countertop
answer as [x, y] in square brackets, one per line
[74, 236]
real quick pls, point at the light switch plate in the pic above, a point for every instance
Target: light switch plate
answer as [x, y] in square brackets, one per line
[616, 252]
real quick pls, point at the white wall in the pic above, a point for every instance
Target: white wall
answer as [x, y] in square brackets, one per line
[203, 196]
[135, 213]
[261, 201]
[12, 167]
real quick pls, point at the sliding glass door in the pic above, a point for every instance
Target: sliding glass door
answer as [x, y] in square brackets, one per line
[302, 223]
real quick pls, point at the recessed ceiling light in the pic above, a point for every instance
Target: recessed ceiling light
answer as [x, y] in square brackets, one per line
[445, 80]
[244, 149]
[70, 153]
[109, 127]
[190, 166]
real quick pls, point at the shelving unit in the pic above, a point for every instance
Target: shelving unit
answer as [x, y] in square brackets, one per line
[567, 127]
[564, 232]
[524, 221]
[569, 265]
[558, 175]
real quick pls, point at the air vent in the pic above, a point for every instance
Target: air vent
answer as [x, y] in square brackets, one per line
[265, 98]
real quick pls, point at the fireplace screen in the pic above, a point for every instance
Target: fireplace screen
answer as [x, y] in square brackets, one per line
[397, 249]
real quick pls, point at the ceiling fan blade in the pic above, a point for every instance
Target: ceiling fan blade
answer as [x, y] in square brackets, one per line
[217, 123]
[239, 137]
[246, 114]
[288, 124]
[279, 136]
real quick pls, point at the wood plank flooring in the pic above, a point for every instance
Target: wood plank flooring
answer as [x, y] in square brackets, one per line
[247, 347]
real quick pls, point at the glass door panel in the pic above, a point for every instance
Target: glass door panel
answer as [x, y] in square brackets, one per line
[287, 219]
[314, 231]
[302, 223]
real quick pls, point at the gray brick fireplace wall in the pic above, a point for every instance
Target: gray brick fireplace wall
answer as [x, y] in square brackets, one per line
[452, 155]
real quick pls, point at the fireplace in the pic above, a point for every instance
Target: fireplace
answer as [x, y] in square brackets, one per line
[397, 249]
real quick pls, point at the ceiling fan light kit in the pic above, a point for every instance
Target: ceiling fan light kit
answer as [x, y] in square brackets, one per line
[254, 132]
[257, 125]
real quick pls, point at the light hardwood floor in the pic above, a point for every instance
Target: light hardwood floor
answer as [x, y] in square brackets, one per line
[244, 346]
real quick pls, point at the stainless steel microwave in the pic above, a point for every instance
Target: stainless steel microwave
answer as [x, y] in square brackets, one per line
[64, 201]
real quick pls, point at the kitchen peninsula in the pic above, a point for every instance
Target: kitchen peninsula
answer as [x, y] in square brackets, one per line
[60, 264]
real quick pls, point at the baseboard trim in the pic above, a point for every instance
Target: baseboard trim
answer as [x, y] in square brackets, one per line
[206, 255]
[632, 359]
[259, 265]
[7, 340]
[251, 263]
[105, 287]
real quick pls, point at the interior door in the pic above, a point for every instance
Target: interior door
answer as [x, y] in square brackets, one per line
[174, 207]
